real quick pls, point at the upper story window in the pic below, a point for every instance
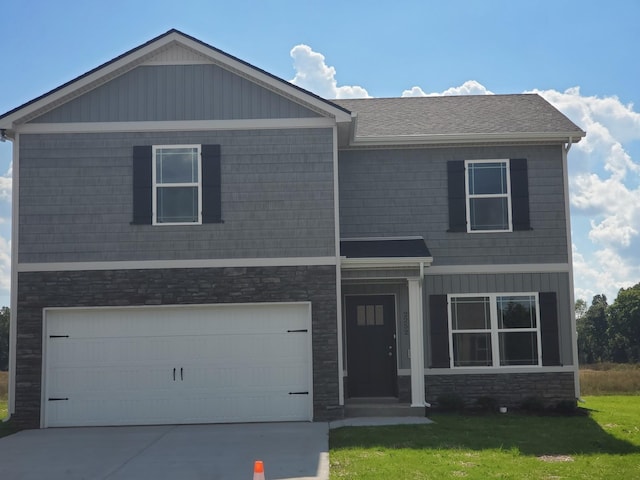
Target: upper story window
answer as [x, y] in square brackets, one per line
[177, 184]
[176, 188]
[491, 330]
[488, 195]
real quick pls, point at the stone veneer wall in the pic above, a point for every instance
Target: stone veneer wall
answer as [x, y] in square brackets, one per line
[37, 290]
[509, 389]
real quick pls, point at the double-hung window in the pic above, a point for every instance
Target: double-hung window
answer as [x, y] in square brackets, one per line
[177, 192]
[494, 330]
[488, 192]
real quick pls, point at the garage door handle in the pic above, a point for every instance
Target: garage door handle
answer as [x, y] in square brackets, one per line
[181, 374]
[303, 330]
[298, 393]
[174, 374]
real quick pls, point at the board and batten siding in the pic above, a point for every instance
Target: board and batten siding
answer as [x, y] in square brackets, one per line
[176, 92]
[404, 192]
[76, 198]
[505, 283]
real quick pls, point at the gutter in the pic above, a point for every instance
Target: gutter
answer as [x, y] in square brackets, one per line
[467, 138]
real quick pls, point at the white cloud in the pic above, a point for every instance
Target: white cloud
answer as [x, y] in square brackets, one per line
[5, 185]
[604, 271]
[313, 74]
[5, 266]
[605, 189]
[470, 87]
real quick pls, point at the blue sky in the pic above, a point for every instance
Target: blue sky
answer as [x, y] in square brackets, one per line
[580, 55]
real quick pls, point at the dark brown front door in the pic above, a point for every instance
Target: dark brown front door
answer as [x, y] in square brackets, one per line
[371, 345]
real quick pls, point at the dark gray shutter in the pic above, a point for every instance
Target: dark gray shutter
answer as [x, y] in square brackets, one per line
[549, 329]
[211, 184]
[519, 194]
[142, 185]
[457, 198]
[439, 331]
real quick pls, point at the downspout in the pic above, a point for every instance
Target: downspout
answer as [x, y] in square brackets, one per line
[572, 300]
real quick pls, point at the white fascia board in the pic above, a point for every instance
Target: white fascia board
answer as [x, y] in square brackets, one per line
[384, 262]
[86, 82]
[182, 125]
[556, 137]
[157, 264]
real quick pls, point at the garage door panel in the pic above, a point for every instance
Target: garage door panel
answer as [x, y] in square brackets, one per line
[232, 364]
[175, 321]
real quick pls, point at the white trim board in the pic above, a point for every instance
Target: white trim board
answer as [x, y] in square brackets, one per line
[405, 372]
[157, 264]
[505, 268]
[176, 125]
[497, 370]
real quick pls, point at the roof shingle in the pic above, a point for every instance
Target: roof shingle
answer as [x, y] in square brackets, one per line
[457, 115]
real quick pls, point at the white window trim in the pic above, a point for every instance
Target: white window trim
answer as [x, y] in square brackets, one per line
[468, 196]
[154, 199]
[495, 331]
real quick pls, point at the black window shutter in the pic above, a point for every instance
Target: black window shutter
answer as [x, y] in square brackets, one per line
[457, 198]
[519, 194]
[439, 331]
[142, 185]
[211, 184]
[549, 329]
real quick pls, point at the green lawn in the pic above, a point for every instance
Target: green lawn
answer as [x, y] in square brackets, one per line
[605, 444]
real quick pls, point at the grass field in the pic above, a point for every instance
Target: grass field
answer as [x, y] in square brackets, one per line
[4, 377]
[610, 379]
[4, 428]
[604, 444]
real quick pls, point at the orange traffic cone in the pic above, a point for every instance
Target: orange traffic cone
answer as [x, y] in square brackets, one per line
[258, 470]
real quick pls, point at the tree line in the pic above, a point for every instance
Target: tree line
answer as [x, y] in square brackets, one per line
[610, 333]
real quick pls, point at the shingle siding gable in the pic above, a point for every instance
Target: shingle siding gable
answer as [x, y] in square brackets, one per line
[176, 92]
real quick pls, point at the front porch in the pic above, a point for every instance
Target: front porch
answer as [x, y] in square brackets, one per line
[383, 326]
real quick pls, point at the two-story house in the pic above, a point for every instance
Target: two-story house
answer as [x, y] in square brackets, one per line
[196, 240]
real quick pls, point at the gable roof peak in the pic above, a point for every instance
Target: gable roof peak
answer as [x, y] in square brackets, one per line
[138, 55]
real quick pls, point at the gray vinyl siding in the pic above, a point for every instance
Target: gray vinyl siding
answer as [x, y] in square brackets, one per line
[504, 283]
[404, 192]
[76, 198]
[176, 92]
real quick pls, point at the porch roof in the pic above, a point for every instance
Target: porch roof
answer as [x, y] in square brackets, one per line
[406, 247]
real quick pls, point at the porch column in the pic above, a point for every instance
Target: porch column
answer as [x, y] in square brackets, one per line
[416, 342]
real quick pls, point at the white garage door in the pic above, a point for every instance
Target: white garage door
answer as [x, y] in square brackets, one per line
[204, 364]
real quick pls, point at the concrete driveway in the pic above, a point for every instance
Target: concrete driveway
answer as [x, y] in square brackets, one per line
[212, 452]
